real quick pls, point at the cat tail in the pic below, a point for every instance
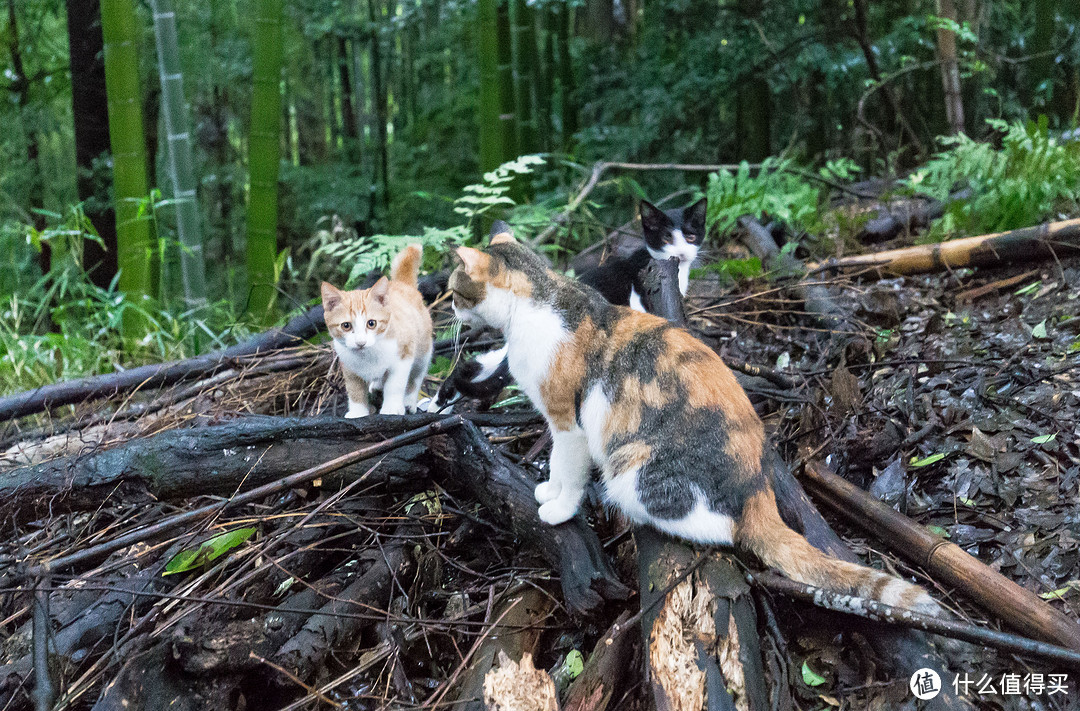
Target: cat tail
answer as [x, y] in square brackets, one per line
[762, 531]
[406, 266]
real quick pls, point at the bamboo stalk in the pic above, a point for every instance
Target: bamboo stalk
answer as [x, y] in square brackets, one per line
[1017, 607]
[178, 144]
[264, 155]
[126, 136]
[1022, 245]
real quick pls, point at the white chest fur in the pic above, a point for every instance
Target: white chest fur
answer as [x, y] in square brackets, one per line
[370, 363]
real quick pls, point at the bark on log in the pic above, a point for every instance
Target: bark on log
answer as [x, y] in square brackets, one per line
[602, 681]
[506, 490]
[701, 640]
[1017, 607]
[1023, 245]
[758, 239]
[522, 617]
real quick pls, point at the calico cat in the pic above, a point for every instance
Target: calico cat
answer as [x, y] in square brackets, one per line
[382, 337]
[668, 233]
[676, 439]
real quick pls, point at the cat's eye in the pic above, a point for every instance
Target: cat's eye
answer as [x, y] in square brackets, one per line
[346, 326]
[371, 323]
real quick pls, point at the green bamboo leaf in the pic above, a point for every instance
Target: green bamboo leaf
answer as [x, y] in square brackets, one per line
[208, 551]
[810, 677]
[927, 461]
[1043, 439]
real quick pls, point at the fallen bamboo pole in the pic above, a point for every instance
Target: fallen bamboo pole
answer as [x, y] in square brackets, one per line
[1019, 608]
[874, 610]
[1022, 245]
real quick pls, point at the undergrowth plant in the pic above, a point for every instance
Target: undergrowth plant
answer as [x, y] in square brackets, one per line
[777, 190]
[60, 325]
[1031, 178]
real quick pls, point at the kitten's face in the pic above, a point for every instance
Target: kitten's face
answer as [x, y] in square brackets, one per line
[674, 233]
[356, 319]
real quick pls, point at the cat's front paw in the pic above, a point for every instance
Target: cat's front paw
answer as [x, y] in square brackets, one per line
[357, 411]
[547, 491]
[557, 511]
[398, 409]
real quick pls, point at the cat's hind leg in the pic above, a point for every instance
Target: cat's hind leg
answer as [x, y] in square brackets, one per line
[565, 488]
[417, 373]
[357, 391]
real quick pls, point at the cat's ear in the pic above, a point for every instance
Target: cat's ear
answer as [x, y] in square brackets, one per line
[380, 290]
[653, 218]
[501, 233]
[331, 296]
[694, 215]
[472, 259]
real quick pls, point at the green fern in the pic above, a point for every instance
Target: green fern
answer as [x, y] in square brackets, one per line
[361, 255]
[776, 190]
[1030, 179]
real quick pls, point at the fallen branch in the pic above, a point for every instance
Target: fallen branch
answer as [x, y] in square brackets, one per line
[873, 610]
[605, 671]
[506, 491]
[1022, 245]
[1017, 607]
[159, 375]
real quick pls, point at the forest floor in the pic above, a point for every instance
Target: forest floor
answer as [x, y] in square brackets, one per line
[397, 582]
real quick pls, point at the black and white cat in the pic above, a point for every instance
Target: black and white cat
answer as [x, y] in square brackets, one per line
[668, 233]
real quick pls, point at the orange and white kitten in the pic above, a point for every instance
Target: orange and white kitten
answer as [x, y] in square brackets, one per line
[382, 336]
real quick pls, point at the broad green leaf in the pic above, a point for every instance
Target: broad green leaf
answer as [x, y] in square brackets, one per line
[1043, 439]
[209, 550]
[938, 531]
[810, 677]
[1040, 330]
[574, 663]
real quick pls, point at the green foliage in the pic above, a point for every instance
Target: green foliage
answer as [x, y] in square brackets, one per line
[494, 193]
[208, 551]
[1030, 178]
[357, 256]
[60, 325]
[776, 191]
[731, 270]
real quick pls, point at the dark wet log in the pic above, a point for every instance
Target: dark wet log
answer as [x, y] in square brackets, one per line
[1017, 246]
[759, 240]
[1019, 608]
[658, 285]
[506, 490]
[521, 618]
[160, 375]
[178, 464]
[602, 682]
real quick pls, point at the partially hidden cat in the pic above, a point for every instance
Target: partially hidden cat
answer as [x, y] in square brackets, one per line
[667, 233]
[677, 442]
[382, 336]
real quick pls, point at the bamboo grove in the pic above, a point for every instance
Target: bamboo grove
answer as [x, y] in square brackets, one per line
[207, 141]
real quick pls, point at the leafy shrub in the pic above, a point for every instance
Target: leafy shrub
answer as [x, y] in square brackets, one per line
[1029, 179]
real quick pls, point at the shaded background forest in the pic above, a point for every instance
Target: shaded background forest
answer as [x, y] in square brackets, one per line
[390, 109]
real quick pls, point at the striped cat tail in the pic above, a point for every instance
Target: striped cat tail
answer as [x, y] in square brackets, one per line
[762, 531]
[406, 266]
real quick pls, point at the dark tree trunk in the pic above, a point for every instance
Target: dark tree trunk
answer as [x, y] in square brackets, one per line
[350, 131]
[379, 94]
[752, 108]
